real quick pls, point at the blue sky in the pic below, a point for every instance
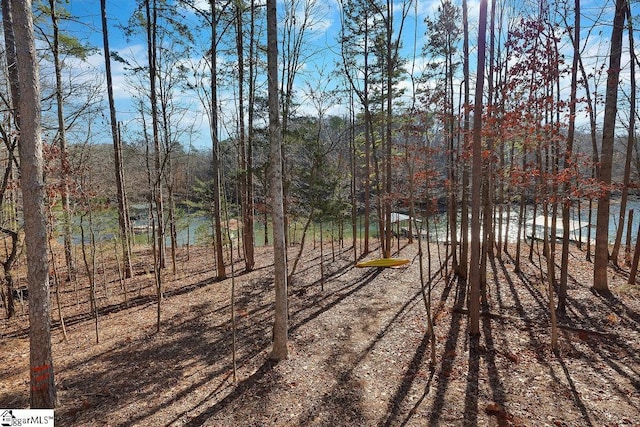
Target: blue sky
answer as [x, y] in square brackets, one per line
[321, 39]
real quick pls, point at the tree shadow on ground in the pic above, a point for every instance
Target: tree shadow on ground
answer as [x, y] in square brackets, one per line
[345, 399]
[328, 301]
[395, 405]
[611, 314]
[575, 394]
[135, 298]
[488, 353]
[581, 314]
[186, 348]
[257, 383]
[343, 404]
[13, 399]
[449, 355]
[616, 305]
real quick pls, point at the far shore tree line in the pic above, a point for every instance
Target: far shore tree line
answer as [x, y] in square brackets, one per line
[536, 126]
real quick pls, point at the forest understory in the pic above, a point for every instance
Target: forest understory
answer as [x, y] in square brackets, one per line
[359, 348]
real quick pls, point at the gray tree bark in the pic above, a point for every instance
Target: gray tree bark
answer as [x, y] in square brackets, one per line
[43, 389]
[280, 327]
[601, 262]
[568, 159]
[215, 163]
[123, 215]
[476, 181]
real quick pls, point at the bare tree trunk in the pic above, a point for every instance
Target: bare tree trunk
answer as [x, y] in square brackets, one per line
[12, 66]
[388, 144]
[152, 231]
[217, 207]
[627, 250]
[234, 325]
[62, 142]
[7, 266]
[353, 168]
[123, 283]
[56, 281]
[550, 261]
[568, 158]
[245, 189]
[11, 143]
[476, 172]
[488, 238]
[463, 262]
[280, 327]
[636, 257]
[42, 384]
[123, 215]
[600, 278]
[249, 227]
[630, 144]
[173, 229]
[11, 249]
[90, 268]
[151, 12]
[303, 239]
[522, 234]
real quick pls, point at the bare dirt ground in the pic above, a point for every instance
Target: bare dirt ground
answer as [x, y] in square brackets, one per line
[359, 351]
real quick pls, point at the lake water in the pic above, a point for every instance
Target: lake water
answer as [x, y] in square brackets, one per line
[196, 229]
[438, 222]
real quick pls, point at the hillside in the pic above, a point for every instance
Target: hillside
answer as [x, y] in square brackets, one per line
[359, 350]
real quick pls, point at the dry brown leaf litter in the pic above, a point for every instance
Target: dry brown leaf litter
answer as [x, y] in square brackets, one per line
[359, 350]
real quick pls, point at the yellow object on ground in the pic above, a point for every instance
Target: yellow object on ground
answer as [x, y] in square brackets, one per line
[383, 262]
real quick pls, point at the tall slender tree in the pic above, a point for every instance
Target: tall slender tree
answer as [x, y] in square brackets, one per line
[246, 190]
[280, 328]
[476, 181]
[631, 134]
[568, 161]
[216, 11]
[359, 29]
[11, 144]
[393, 32]
[464, 164]
[42, 384]
[213, 16]
[123, 215]
[65, 167]
[156, 180]
[443, 38]
[251, 113]
[600, 277]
